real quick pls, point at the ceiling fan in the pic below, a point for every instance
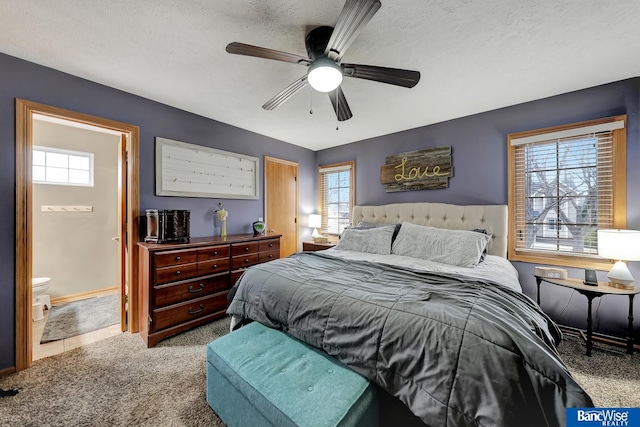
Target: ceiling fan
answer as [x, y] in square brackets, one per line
[325, 48]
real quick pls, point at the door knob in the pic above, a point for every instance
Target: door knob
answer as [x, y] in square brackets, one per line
[271, 230]
[115, 239]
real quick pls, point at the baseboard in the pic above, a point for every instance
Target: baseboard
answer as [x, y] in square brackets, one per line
[84, 295]
[601, 338]
[7, 371]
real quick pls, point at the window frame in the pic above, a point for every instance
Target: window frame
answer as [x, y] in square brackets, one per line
[619, 196]
[89, 156]
[321, 208]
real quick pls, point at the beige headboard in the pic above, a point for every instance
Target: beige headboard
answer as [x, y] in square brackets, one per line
[492, 218]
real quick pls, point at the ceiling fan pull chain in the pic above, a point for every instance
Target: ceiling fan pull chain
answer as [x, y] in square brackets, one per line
[337, 110]
[310, 100]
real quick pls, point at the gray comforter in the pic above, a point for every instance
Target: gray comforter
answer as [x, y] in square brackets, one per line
[457, 352]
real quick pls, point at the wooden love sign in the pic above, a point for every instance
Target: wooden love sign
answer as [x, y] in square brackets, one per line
[428, 169]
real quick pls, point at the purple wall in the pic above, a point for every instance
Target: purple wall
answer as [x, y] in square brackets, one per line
[479, 145]
[21, 79]
[479, 161]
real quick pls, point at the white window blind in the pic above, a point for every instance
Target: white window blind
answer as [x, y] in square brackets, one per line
[563, 191]
[336, 196]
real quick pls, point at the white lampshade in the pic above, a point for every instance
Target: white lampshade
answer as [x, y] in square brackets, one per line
[324, 75]
[315, 221]
[619, 245]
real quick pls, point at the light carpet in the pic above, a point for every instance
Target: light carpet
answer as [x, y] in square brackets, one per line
[120, 382]
[79, 317]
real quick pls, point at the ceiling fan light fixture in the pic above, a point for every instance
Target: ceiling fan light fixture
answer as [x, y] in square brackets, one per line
[324, 75]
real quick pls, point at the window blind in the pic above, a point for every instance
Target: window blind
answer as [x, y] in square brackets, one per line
[563, 192]
[336, 196]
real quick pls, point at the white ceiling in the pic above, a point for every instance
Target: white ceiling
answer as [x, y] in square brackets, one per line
[474, 56]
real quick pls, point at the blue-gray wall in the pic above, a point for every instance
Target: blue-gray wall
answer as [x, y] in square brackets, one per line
[479, 144]
[479, 160]
[21, 79]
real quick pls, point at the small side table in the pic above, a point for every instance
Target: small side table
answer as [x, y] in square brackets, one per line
[592, 292]
[312, 246]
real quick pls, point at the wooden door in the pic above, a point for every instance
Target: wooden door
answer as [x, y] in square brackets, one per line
[122, 231]
[281, 202]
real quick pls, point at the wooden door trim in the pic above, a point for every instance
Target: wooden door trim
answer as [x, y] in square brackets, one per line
[266, 180]
[23, 266]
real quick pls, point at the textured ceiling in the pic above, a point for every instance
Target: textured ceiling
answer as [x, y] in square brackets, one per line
[474, 56]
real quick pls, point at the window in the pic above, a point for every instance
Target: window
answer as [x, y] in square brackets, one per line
[565, 183]
[62, 167]
[336, 196]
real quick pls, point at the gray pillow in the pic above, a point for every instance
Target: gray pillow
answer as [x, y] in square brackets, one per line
[371, 240]
[364, 224]
[455, 247]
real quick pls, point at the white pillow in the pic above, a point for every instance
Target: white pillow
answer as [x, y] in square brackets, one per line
[455, 247]
[371, 240]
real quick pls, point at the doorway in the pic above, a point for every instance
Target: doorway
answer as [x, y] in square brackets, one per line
[128, 200]
[281, 202]
[75, 238]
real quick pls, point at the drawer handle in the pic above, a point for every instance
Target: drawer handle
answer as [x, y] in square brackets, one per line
[215, 266]
[192, 311]
[270, 245]
[270, 256]
[178, 272]
[192, 290]
[215, 252]
[246, 249]
[177, 258]
[246, 260]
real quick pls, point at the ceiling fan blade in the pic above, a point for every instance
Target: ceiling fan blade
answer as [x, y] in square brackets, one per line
[263, 52]
[392, 76]
[354, 16]
[340, 106]
[287, 93]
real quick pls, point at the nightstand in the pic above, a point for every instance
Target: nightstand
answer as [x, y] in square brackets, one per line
[592, 292]
[312, 246]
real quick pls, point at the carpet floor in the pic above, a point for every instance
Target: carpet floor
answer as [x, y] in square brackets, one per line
[120, 382]
[79, 317]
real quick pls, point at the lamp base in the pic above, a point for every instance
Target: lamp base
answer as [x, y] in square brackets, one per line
[620, 277]
[621, 285]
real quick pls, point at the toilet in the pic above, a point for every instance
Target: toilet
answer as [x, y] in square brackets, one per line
[40, 285]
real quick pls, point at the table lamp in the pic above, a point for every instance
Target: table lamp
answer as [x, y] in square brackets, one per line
[619, 245]
[315, 221]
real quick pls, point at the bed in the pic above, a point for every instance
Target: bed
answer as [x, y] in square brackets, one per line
[430, 310]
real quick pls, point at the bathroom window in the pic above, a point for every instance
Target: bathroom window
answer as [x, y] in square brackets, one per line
[62, 167]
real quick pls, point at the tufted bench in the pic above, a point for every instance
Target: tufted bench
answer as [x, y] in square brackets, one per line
[258, 376]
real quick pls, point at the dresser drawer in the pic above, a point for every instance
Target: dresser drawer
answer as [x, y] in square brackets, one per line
[189, 310]
[206, 254]
[178, 272]
[269, 245]
[167, 259]
[268, 256]
[213, 266]
[244, 248]
[244, 261]
[164, 295]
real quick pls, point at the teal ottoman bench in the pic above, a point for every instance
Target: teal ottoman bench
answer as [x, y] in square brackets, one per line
[258, 376]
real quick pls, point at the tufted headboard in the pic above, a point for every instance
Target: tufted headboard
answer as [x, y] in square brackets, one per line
[492, 218]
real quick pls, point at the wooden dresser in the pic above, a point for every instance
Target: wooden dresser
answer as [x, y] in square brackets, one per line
[184, 285]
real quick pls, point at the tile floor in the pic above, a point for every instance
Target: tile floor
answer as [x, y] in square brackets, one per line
[41, 351]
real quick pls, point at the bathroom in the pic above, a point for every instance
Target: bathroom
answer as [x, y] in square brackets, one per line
[75, 223]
